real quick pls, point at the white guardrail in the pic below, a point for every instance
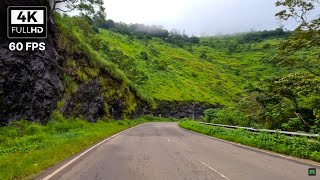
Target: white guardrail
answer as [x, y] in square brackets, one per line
[262, 130]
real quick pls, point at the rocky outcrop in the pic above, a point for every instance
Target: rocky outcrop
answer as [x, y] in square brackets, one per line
[179, 109]
[30, 84]
[104, 98]
[87, 102]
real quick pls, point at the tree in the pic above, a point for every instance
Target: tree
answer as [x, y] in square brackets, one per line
[301, 11]
[108, 24]
[194, 40]
[294, 86]
[306, 35]
[90, 8]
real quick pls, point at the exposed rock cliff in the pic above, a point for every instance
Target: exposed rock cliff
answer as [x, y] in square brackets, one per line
[30, 82]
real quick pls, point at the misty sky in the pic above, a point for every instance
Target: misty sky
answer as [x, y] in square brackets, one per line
[198, 17]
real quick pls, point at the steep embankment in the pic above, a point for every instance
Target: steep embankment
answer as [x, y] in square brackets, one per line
[94, 87]
[69, 76]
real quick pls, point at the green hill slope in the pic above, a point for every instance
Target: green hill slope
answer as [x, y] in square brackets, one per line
[183, 74]
[198, 72]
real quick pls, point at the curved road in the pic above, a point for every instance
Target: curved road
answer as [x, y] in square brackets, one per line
[158, 151]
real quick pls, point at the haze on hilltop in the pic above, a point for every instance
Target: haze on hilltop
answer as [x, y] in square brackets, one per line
[199, 17]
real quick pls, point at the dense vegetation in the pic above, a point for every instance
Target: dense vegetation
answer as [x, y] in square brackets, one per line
[264, 79]
[243, 73]
[33, 147]
[267, 79]
[83, 64]
[295, 146]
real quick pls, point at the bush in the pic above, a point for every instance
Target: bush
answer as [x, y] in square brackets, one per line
[226, 116]
[293, 124]
[266, 46]
[210, 114]
[33, 129]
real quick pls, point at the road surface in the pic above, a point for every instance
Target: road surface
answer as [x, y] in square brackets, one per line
[159, 151]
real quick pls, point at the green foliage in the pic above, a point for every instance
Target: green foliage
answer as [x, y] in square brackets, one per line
[229, 116]
[266, 46]
[144, 55]
[71, 63]
[210, 114]
[275, 114]
[92, 72]
[173, 73]
[234, 71]
[305, 37]
[86, 43]
[300, 10]
[262, 35]
[144, 32]
[60, 104]
[296, 85]
[88, 8]
[293, 124]
[69, 84]
[203, 55]
[82, 76]
[240, 72]
[295, 146]
[158, 119]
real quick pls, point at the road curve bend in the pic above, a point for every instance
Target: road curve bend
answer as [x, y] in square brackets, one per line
[163, 151]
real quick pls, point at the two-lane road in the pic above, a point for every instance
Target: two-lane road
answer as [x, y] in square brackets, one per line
[158, 151]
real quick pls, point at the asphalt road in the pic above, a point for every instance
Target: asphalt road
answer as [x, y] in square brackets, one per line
[158, 151]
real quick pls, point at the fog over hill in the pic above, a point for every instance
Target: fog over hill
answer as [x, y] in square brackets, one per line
[201, 17]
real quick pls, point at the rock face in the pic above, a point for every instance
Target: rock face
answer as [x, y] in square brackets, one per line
[87, 101]
[29, 81]
[91, 102]
[180, 110]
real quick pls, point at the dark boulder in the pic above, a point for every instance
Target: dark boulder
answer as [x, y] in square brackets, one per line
[30, 84]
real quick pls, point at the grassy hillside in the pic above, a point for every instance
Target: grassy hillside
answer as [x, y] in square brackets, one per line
[243, 73]
[197, 72]
[90, 80]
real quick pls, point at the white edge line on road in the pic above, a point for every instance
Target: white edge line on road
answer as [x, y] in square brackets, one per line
[214, 170]
[85, 152]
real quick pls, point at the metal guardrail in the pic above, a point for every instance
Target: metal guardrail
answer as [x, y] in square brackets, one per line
[262, 130]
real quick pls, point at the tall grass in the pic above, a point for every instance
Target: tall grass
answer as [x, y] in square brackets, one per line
[295, 146]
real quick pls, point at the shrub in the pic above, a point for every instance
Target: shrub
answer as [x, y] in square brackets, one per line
[144, 55]
[210, 114]
[227, 116]
[33, 129]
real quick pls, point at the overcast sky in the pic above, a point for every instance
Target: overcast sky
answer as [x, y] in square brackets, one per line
[198, 17]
